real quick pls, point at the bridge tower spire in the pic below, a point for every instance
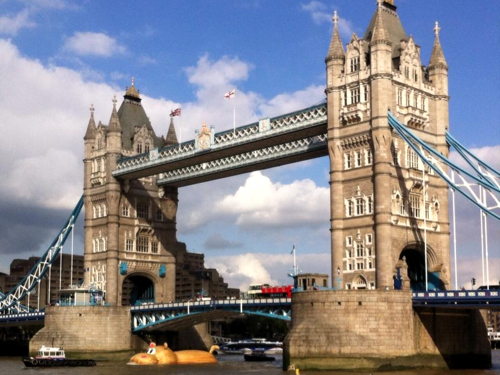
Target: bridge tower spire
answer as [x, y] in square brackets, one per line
[130, 229]
[380, 207]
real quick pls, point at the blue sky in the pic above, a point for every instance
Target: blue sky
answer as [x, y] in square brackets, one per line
[60, 56]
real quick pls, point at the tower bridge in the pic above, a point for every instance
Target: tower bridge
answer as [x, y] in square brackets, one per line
[384, 126]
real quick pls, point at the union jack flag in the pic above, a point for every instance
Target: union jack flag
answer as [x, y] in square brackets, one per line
[230, 94]
[175, 112]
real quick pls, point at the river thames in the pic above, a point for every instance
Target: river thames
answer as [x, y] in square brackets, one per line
[228, 364]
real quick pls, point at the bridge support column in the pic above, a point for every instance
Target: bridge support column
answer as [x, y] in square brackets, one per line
[87, 331]
[379, 329]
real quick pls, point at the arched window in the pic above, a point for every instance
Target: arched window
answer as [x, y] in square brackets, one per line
[350, 208]
[359, 249]
[411, 158]
[139, 148]
[146, 147]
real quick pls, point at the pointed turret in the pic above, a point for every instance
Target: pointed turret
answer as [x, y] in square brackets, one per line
[171, 137]
[114, 121]
[91, 128]
[437, 56]
[389, 26]
[379, 33]
[336, 49]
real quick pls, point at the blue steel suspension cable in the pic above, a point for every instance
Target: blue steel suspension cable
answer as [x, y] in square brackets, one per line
[39, 270]
[410, 138]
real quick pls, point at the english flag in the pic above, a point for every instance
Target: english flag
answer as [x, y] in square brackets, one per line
[175, 112]
[230, 94]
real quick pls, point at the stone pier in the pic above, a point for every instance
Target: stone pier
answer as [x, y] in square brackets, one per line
[87, 331]
[378, 329]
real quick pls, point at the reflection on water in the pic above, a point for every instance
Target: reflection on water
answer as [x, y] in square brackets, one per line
[228, 364]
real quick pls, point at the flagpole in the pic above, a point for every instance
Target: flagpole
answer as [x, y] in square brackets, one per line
[234, 117]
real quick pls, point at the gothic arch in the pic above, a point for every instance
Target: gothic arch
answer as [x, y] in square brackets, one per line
[138, 288]
[413, 254]
[359, 282]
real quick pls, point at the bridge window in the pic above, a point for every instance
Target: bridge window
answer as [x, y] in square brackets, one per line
[369, 204]
[355, 95]
[350, 208]
[369, 239]
[359, 249]
[142, 244]
[347, 160]
[400, 97]
[125, 210]
[142, 209]
[365, 93]
[129, 244]
[139, 148]
[415, 205]
[348, 241]
[357, 159]
[154, 247]
[146, 147]
[368, 157]
[411, 158]
[360, 206]
[159, 215]
[355, 64]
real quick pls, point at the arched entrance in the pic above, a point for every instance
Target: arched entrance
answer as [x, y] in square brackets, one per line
[137, 289]
[359, 283]
[414, 258]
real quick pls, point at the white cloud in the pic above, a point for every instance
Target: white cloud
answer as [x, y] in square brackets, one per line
[11, 25]
[257, 268]
[260, 202]
[318, 11]
[320, 14]
[93, 44]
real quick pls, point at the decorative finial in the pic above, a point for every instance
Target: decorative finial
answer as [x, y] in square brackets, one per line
[133, 81]
[379, 3]
[436, 29]
[114, 101]
[92, 109]
[335, 18]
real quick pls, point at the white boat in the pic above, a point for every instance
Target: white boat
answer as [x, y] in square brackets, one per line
[51, 356]
[250, 345]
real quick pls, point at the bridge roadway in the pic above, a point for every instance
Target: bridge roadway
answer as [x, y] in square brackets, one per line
[178, 315]
[271, 142]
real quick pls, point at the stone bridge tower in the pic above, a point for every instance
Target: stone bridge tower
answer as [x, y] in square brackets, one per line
[130, 228]
[385, 204]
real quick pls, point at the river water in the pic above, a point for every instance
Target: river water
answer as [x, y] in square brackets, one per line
[228, 365]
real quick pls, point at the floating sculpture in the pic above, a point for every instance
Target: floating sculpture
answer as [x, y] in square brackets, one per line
[163, 355]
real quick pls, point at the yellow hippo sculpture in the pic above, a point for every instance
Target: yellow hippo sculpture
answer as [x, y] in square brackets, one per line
[163, 355]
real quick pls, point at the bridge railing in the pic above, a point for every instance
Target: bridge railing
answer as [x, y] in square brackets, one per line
[457, 298]
[267, 127]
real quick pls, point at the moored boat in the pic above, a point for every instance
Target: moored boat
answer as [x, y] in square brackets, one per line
[54, 357]
[248, 346]
[257, 355]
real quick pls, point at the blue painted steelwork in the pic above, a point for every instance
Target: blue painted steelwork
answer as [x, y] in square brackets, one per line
[482, 175]
[149, 315]
[11, 300]
[22, 317]
[458, 298]
[256, 136]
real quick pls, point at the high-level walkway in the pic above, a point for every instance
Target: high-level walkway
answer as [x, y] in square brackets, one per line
[264, 144]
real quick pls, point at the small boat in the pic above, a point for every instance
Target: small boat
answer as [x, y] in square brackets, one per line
[247, 346]
[257, 355]
[50, 357]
